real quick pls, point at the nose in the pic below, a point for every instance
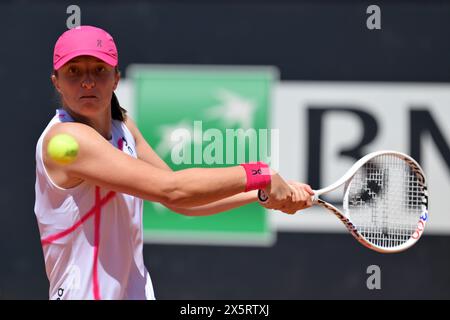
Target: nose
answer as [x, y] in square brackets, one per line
[88, 83]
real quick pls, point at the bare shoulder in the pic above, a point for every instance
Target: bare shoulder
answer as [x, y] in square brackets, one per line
[88, 139]
[83, 134]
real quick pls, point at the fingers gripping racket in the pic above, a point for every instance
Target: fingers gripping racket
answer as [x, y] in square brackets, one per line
[385, 202]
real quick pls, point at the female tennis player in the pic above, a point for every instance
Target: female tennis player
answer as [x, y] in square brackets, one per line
[89, 212]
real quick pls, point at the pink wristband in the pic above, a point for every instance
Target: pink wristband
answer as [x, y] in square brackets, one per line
[258, 175]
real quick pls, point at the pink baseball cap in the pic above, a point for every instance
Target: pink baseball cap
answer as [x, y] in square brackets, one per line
[85, 41]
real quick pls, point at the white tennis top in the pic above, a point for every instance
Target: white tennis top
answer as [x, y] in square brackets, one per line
[91, 237]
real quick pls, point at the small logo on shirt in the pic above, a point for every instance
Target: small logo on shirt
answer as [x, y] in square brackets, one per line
[60, 293]
[130, 149]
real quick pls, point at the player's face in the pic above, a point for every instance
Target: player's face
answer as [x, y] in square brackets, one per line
[86, 85]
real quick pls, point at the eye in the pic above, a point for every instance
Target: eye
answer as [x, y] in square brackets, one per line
[72, 70]
[101, 69]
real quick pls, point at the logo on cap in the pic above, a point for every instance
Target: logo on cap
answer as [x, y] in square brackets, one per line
[99, 42]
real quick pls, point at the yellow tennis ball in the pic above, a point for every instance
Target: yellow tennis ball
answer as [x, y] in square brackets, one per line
[63, 148]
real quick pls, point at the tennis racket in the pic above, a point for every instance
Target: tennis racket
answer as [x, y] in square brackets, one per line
[385, 201]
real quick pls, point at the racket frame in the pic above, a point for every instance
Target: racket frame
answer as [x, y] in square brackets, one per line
[345, 217]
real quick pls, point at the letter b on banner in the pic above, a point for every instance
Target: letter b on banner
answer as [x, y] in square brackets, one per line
[317, 131]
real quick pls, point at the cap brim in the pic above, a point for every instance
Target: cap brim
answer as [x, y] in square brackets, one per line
[100, 55]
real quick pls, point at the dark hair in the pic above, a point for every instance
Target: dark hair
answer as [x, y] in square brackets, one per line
[117, 112]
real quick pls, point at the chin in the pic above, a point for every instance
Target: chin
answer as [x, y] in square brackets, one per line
[89, 109]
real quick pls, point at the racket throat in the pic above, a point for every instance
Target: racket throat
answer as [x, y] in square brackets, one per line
[346, 221]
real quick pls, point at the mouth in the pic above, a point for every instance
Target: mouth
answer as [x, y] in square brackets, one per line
[88, 97]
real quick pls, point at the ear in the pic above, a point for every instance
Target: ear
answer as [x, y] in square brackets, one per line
[55, 83]
[116, 79]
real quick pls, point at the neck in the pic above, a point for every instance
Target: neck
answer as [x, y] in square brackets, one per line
[101, 123]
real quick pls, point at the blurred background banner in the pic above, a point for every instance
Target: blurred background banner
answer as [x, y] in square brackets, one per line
[332, 87]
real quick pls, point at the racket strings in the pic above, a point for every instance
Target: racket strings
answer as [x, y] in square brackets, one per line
[385, 201]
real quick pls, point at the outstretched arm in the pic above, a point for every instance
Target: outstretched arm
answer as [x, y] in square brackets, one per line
[101, 164]
[226, 204]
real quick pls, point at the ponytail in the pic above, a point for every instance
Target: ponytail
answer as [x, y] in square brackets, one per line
[117, 112]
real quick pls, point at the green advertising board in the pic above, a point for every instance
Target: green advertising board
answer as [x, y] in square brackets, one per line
[205, 117]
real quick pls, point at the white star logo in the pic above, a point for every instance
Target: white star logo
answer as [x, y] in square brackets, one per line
[234, 109]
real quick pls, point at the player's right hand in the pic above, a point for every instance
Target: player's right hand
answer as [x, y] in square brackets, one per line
[302, 197]
[279, 193]
[288, 197]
